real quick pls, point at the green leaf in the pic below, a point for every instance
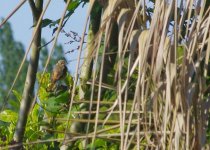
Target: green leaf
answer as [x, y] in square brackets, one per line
[73, 5]
[44, 79]
[180, 54]
[110, 95]
[46, 22]
[35, 113]
[17, 95]
[69, 80]
[43, 94]
[8, 116]
[55, 104]
[98, 144]
[15, 105]
[62, 98]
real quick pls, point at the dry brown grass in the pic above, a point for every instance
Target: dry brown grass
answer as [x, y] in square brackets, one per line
[171, 94]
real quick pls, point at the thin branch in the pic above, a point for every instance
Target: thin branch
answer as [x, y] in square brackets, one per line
[12, 13]
[47, 43]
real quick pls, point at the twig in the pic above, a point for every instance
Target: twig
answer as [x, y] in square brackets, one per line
[12, 13]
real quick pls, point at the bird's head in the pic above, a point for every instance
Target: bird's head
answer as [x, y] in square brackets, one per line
[62, 62]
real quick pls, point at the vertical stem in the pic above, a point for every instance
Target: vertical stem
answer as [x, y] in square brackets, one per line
[27, 96]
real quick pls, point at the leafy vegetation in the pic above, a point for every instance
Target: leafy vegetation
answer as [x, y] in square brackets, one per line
[143, 82]
[10, 51]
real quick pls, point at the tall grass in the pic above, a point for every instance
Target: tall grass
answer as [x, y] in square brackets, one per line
[164, 51]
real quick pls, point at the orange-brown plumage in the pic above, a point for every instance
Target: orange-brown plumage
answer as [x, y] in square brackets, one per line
[59, 71]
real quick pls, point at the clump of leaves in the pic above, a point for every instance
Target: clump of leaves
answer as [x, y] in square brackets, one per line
[54, 102]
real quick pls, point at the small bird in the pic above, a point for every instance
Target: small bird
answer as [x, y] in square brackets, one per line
[59, 72]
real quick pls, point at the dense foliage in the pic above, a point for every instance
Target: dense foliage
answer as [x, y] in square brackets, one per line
[11, 52]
